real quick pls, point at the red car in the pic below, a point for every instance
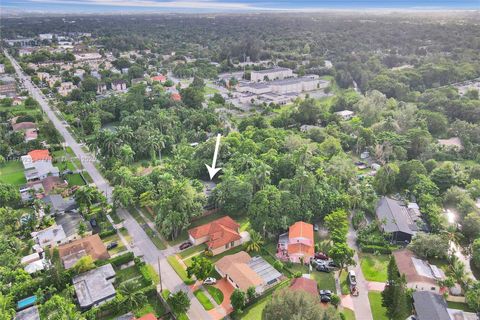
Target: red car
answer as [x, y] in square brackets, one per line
[321, 256]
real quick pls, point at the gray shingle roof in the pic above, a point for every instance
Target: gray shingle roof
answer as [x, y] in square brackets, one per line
[395, 216]
[429, 306]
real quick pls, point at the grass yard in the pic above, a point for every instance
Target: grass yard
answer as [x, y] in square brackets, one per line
[459, 306]
[12, 173]
[204, 300]
[209, 90]
[216, 294]
[127, 274]
[153, 305]
[192, 250]
[326, 281]
[374, 267]
[75, 180]
[254, 312]
[344, 283]
[378, 311]
[117, 249]
[149, 231]
[87, 177]
[348, 313]
[182, 273]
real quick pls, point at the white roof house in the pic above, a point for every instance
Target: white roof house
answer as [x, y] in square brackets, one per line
[50, 237]
[95, 286]
[345, 114]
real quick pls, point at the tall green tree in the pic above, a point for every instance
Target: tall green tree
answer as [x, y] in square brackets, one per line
[200, 267]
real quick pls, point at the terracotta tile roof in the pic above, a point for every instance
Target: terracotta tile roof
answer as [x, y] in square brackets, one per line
[301, 241]
[159, 78]
[236, 267]
[148, 316]
[301, 229]
[305, 284]
[91, 245]
[220, 232]
[176, 96]
[405, 265]
[38, 155]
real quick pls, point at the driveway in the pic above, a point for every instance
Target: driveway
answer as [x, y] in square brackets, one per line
[142, 245]
[360, 303]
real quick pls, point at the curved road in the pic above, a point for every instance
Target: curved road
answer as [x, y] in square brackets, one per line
[142, 245]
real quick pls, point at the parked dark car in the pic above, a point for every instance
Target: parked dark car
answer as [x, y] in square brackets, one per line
[112, 245]
[93, 223]
[322, 268]
[325, 293]
[332, 264]
[325, 298]
[185, 245]
[321, 256]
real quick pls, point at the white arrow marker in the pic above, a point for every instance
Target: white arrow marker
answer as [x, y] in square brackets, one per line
[212, 171]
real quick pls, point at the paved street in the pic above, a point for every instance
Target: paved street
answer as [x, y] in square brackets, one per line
[142, 245]
[361, 304]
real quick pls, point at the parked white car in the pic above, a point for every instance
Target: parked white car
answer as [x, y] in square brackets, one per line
[209, 281]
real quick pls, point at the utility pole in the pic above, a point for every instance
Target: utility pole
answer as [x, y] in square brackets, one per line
[160, 275]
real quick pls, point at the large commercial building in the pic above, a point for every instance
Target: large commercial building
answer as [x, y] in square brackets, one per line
[271, 74]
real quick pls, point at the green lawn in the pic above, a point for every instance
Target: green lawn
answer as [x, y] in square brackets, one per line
[216, 294]
[192, 250]
[374, 267]
[127, 274]
[344, 283]
[117, 249]
[349, 314]
[75, 179]
[180, 270]
[255, 311]
[378, 311]
[12, 173]
[326, 281]
[202, 297]
[459, 306]
[150, 233]
[153, 305]
[209, 90]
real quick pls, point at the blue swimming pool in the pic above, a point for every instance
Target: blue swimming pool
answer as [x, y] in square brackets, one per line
[27, 302]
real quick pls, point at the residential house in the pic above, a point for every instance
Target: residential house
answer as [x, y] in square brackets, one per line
[66, 88]
[95, 286]
[219, 235]
[176, 96]
[49, 237]
[119, 85]
[345, 114]
[396, 219]
[43, 76]
[137, 81]
[28, 314]
[271, 74]
[28, 128]
[52, 81]
[454, 143]
[25, 52]
[58, 204]
[101, 88]
[298, 244]
[304, 284]
[430, 306]
[38, 165]
[243, 272]
[8, 89]
[419, 274]
[160, 78]
[52, 182]
[79, 73]
[34, 262]
[70, 222]
[91, 246]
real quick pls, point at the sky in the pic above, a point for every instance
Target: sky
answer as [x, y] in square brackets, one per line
[76, 6]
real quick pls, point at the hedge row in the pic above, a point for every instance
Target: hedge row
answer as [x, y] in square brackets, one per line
[107, 233]
[117, 261]
[375, 248]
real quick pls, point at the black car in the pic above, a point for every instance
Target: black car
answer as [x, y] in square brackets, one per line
[112, 245]
[325, 298]
[325, 293]
[322, 268]
[185, 245]
[332, 264]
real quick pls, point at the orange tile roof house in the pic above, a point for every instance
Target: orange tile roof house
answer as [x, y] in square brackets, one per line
[298, 243]
[220, 235]
[91, 246]
[243, 272]
[306, 285]
[160, 78]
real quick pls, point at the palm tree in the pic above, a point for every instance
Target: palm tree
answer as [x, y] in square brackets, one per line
[261, 175]
[255, 242]
[125, 134]
[457, 271]
[133, 297]
[85, 196]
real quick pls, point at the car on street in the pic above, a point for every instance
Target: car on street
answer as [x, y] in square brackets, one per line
[185, 245]
[209, 281]
[112, 245]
